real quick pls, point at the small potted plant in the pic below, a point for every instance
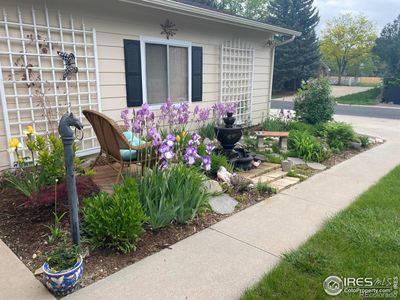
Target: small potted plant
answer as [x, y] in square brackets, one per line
[63, 270]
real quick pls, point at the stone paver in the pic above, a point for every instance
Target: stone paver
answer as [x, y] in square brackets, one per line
[296, 161]
[284, 183]
[316, 166]
[262, 169]
[223, 204]
[17, 281]
[270, 177]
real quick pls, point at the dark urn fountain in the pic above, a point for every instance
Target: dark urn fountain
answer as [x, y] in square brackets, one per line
[229, 135]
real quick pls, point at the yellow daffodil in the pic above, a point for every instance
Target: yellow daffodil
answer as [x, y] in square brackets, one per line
[183, 134]
[14, 144]
[178, 138]
[29, 130]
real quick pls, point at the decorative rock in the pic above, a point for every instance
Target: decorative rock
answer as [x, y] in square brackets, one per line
[296, 161]
[316, 166]
[207, 141]
[240, 182]
[38, 271]
[224, 175]
[256, 163]
[379, 141]
[212, 186]
[355, 145]
[286, 165]
[223, 205]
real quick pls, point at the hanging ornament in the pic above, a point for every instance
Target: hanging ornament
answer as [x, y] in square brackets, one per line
[69, 62]
[168, 28]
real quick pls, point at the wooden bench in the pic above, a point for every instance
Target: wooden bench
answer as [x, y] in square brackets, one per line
[283, 138]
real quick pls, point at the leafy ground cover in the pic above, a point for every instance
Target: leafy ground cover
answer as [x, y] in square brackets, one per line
[369, 97]
[361, 241]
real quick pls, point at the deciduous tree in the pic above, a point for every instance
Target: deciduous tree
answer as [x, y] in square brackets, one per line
[346, 39]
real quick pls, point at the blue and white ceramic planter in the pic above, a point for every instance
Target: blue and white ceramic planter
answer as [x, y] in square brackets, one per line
[64, 282]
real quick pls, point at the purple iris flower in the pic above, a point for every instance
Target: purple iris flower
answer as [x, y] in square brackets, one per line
[196, 110]
[164, 164]
[166, 151]
[171, 138]
[191, 155]
[137, 127]
[206, 163]
[195, 139]
[124, 117]
[209, 148]
[231, 107]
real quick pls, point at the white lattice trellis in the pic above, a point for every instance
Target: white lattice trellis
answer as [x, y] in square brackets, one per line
[237, 69]
[32, 90]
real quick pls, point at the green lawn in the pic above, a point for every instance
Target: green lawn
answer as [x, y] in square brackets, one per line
[361, 241]
[364, 98]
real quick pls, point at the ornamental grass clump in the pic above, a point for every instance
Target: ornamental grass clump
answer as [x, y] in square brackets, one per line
[173, 194]
[115, 221]
[302, 144]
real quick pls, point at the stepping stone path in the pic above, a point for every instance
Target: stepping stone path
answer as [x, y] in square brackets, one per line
[223, 205]
[316, 166]
[271, 174]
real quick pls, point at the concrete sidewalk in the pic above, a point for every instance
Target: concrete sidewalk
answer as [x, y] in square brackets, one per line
[17, 281]
[222, 261]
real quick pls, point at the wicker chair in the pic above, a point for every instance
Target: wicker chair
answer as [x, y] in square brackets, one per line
[112, 141]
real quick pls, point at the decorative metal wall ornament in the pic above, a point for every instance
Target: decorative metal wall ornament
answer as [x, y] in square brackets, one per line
[168, 28]
[69, 62]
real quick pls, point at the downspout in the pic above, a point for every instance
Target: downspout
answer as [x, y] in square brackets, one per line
[273, 45]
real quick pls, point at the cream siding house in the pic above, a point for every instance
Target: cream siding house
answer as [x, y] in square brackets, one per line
[123, 59]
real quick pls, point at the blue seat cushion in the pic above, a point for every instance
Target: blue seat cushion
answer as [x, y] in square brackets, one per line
[130, 154]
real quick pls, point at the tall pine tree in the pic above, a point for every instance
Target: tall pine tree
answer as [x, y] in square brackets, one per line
[300, 59]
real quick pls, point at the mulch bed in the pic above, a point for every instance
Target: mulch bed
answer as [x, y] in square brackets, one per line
[24, 230]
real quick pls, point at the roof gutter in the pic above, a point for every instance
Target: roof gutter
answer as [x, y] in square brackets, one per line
[203, 13]
[271, 43]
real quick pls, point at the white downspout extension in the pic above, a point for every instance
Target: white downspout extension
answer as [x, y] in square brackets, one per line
[273, 45]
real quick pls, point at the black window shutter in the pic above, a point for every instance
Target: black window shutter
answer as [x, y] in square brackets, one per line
[133, 73]
[197, 74]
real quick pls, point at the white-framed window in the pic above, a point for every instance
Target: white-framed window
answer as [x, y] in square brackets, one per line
[166, 70]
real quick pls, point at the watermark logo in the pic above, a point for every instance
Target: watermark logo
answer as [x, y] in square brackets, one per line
[333, 285]
[366, 287]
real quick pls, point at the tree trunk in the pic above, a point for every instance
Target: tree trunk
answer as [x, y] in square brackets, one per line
[339, 78]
